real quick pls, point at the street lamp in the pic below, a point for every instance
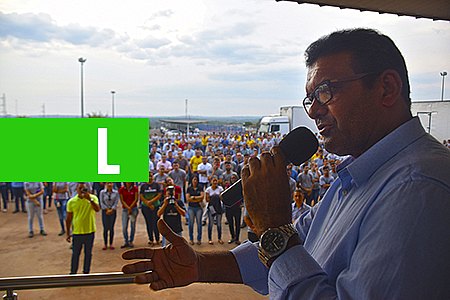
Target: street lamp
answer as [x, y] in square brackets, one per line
[443, 74]
[186, 112]
[82, 61]
[112, 94]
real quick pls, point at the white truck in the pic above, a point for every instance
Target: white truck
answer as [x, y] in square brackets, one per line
[290, 117]
[434, 116]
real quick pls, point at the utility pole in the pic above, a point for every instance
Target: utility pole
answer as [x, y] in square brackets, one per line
[443, 74]
[82, 61]
[186, 113]
[112, 103]
[3, 105]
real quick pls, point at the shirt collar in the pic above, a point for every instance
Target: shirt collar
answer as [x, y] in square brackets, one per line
[363, 167]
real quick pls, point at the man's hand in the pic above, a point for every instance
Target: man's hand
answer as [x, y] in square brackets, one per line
[68, 238]
[266, 191]
[85, 195]
[172, 266]
[166, 201]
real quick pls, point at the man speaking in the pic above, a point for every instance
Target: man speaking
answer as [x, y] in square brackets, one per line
[381, 229]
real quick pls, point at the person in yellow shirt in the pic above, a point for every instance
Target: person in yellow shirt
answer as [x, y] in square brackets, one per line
[205, 140]
[81, 211]
[196, 160]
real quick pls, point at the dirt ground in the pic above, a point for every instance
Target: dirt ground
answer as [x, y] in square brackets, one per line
[50, 255]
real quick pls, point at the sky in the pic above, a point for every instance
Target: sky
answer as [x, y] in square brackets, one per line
[228, 58]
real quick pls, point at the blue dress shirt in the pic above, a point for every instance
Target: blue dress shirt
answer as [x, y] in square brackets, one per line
[381, 231]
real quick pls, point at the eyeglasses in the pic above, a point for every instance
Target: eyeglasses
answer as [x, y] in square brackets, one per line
[323, 92]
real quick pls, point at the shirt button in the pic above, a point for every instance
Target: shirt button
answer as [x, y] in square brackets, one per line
[344, 192]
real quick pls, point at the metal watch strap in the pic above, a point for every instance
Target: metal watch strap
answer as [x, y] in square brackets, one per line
[287, 229]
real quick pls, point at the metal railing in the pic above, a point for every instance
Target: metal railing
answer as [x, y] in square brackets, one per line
[12, 284]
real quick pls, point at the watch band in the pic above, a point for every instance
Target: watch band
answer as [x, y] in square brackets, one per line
[294, 240]
[291, 237]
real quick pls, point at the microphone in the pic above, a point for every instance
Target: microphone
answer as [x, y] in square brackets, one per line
[298, 146]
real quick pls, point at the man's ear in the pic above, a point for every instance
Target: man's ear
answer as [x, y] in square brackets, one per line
[391, 87]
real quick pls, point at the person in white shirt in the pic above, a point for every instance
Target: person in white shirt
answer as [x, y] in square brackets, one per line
[204, 171]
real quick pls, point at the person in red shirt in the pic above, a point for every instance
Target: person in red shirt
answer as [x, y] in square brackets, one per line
[129, 198]
[177, 189]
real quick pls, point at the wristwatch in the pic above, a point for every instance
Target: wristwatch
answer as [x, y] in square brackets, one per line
[275, 241]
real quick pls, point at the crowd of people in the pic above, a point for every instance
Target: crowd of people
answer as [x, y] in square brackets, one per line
[186, 177]
[187, 174]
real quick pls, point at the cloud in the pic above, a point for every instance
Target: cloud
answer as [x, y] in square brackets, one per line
[228, 44]
[31, 27]
[235, 31]
[41, 28]
[152, 42]
[162, 13]
[286, 75]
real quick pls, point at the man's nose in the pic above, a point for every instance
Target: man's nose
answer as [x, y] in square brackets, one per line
[317, 110]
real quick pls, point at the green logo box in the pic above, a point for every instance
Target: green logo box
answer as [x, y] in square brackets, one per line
[76, 150]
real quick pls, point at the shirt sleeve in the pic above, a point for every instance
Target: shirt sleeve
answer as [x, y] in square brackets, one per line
[400, 253]
[69, 207]
[115, 195]
[94, 198]
[253, 272]
[102, 201]
[322, 180]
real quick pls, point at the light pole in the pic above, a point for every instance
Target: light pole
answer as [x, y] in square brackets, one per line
[443, 74]
[82, 61]
[112, 95]
[186, 112]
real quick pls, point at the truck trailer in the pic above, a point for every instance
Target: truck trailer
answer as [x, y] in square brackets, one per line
[289, 117]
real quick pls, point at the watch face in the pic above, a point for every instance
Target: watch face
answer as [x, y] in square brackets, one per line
[273, 242]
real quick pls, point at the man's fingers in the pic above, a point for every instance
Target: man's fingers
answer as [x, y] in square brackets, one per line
[138, 267]
[245, 172]
[159, 285]
[148, 277]
[266, 159]
[254, 164]
[140, 253]
[171, 236]
[278, 157]
[248, 221]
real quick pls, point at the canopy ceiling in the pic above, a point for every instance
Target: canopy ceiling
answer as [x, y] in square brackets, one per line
[431, 9]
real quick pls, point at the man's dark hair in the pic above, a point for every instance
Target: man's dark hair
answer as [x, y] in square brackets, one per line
[371, 51]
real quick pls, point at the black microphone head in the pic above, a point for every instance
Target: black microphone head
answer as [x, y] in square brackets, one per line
[299, 145]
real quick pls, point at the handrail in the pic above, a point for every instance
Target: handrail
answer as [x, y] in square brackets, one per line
[59, 281]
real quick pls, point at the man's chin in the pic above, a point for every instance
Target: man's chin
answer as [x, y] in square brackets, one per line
[330, 145]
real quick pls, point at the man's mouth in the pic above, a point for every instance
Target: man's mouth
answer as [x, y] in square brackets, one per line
[324, 128]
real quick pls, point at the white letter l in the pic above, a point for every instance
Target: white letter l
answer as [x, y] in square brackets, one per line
[103, 167]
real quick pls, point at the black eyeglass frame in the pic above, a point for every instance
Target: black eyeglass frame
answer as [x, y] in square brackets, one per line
[329, 84]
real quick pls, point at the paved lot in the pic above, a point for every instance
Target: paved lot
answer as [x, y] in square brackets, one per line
[50, 255]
